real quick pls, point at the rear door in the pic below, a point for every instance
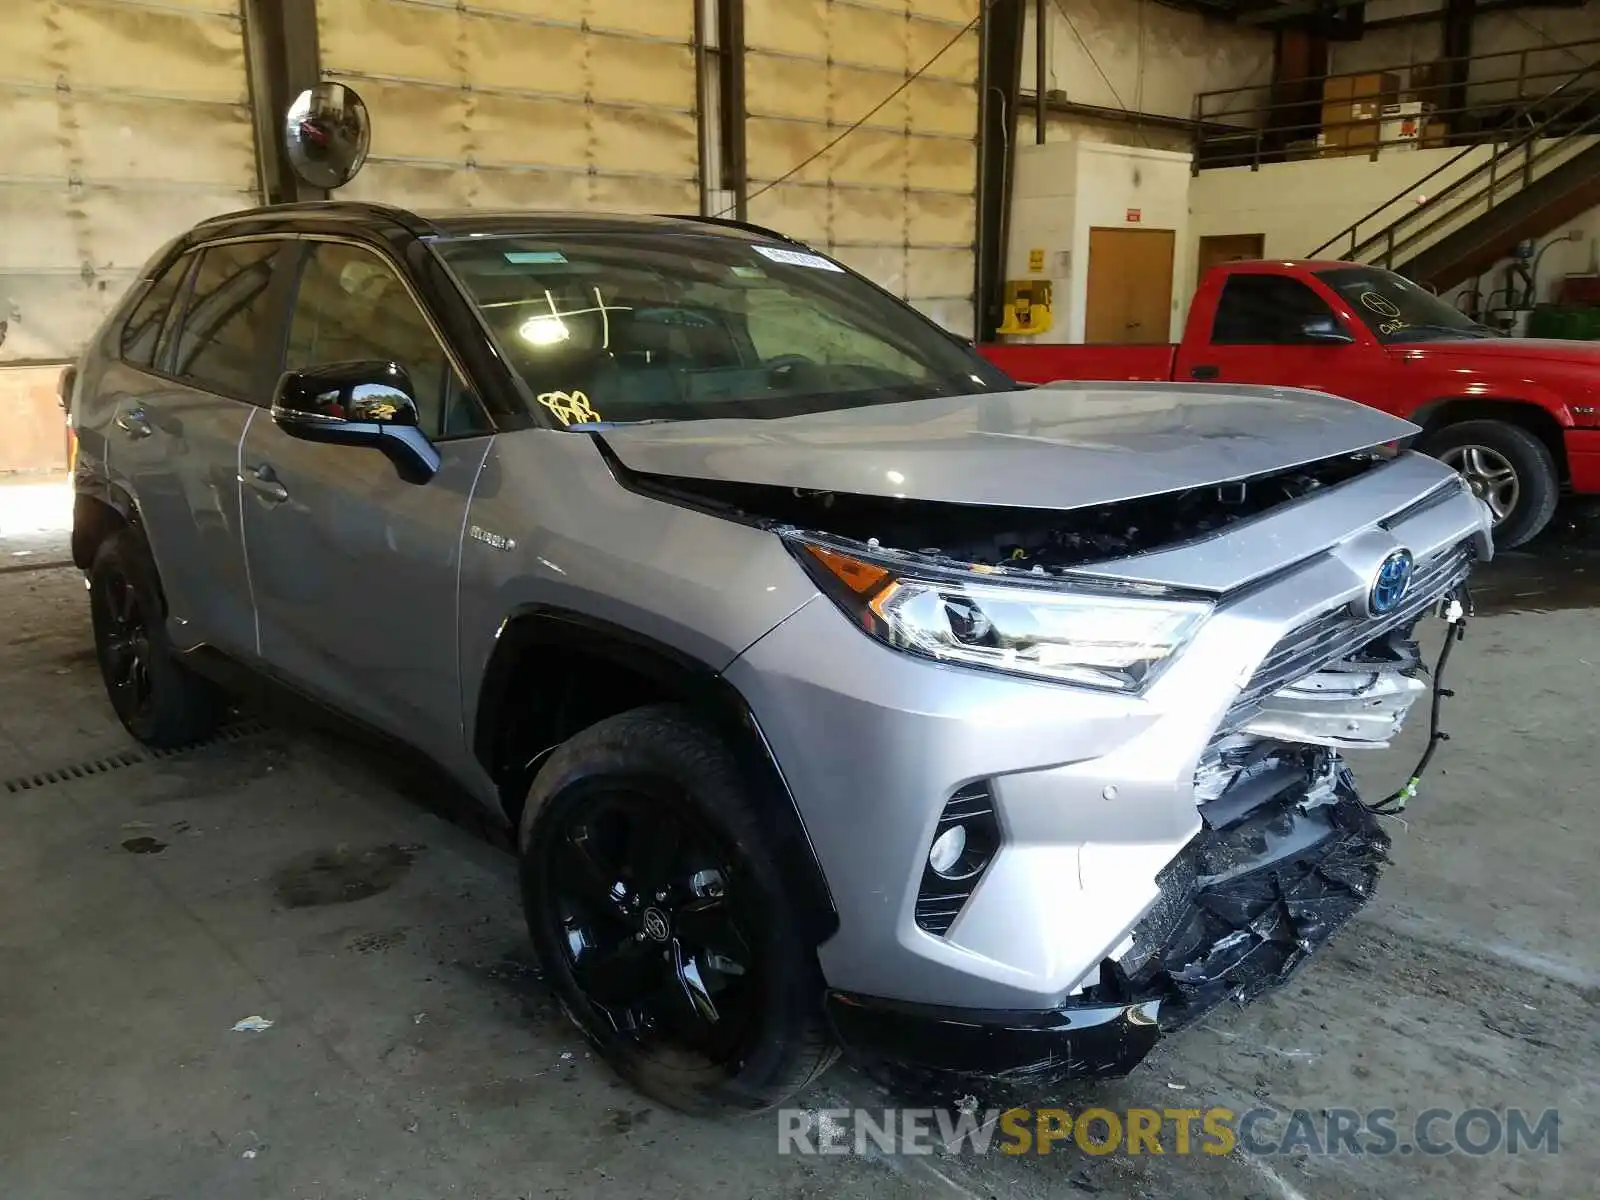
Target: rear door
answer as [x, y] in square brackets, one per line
[178, 426]
[1266, 332]
[354, 569]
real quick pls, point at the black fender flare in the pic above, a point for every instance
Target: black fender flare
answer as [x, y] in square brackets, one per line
[687, 679]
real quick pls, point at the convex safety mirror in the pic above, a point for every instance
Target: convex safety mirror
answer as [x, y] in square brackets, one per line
[327, 134]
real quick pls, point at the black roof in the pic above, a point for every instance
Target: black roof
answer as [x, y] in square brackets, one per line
[460, 223]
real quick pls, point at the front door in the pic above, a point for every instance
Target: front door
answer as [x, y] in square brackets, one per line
[1273, 329]
[1130, 286]
[354, 569]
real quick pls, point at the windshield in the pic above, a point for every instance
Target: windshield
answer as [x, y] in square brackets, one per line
[619, 327]
[1397, 310]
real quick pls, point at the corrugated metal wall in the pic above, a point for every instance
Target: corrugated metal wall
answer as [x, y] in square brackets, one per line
[521, 103]
[897, 198]
[122, 122]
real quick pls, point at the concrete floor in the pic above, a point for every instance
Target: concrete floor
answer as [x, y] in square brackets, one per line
[414, 1052]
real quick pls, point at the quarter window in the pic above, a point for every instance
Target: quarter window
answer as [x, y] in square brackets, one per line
[150, 313]
[351, 306]
[228, 324]
[1268, 310]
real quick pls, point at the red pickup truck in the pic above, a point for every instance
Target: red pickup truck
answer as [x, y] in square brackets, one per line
[1518, 417]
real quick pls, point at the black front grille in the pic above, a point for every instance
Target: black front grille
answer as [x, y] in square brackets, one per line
[1338, 634]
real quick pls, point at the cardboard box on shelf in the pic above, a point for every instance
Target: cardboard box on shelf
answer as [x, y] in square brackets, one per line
[1351, 106]
[1402, 124]
[1435, 135]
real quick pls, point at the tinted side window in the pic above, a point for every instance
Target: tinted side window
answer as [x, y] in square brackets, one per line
[144, 322]
[229, 322]
[352, 306]
[1267, 310]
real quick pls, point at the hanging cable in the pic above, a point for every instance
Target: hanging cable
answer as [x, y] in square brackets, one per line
[1099, 70]
[872, 112]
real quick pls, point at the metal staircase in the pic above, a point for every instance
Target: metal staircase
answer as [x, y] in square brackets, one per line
[1541, 169]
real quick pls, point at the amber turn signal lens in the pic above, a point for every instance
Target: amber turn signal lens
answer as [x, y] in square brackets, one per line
[864, 579]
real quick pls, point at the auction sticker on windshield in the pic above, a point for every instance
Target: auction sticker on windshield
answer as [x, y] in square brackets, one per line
[795, 258]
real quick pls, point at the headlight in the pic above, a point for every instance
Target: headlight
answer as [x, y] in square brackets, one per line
[1098, 639]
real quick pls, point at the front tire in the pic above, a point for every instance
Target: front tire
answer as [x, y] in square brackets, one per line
[157, 699]
[655, 907]
[1508, 468]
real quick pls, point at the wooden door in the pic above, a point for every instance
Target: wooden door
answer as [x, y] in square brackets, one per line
[1230, 247]
[1130, 285]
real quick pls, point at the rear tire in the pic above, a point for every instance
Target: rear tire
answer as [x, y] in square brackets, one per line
[1509, 468]
[654, 904]
[158, 700]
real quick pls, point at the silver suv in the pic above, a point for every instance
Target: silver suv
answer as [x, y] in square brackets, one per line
[837, 691]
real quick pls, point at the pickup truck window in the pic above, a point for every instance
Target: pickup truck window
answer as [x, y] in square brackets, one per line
[1397, 310]
[1269, 310]
[649, 327]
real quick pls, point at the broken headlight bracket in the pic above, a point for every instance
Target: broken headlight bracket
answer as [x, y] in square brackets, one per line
[1455, 608]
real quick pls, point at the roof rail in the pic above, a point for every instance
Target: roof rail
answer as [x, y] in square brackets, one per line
[369, 208]
[730, 223]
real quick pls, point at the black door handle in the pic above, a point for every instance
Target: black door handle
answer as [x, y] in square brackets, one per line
[1206, 371]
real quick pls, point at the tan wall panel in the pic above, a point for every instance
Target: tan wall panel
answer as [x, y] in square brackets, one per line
[869, 217]
[35, 228]
[501, 125]
[645, 195]
[793, 26]
[958, 63]
[873, 157]
[956, 11]
[658, 142]
[413, 185]
[30, 137]
[800, 212]
[775, 147]
[647, 72]
[884, 265]
[524, 57]
[165, 142]
[933, 219]
[943, 108]
[942, 164]
[116, 46]
[938, 272]
[857, 92]
[789, 87]
[31, 56]
[386, 38]
[416, 122]
[870, 37]
[956, 315]
[657, 18]
[51, 317]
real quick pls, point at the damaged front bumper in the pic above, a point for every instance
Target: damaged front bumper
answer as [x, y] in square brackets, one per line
[1241, 910]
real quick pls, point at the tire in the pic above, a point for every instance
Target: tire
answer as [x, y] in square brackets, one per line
[1533, 487]
[158, 700]
[647, 879]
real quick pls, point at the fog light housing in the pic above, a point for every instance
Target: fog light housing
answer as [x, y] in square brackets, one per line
[948, 847]
[963, 845]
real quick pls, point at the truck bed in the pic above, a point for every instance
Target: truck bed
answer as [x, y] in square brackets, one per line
[1035, 363]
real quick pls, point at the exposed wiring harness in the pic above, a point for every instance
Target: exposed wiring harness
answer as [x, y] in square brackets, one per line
[1457, 608]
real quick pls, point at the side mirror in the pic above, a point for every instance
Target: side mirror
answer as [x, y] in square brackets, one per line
[357, 404]
[1325, 331]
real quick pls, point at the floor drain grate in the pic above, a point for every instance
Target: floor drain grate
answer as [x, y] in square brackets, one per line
[116, 761]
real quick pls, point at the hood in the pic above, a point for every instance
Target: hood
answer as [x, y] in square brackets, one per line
[1508, 350]
[1058, 447]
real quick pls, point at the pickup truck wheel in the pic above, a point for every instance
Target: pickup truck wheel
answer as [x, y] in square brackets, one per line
[1508, 468]
[653, 904]
[155, 697]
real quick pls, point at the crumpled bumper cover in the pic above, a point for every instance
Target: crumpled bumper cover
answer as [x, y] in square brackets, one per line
[1242, 909]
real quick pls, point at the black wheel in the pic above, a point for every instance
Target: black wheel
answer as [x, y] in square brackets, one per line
[1510, 470]
[155, 697]
[655, 908]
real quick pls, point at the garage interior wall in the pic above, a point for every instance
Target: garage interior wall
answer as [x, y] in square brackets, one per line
[1139, 56]
[896, 199]
[125, 122]
[536, 104]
